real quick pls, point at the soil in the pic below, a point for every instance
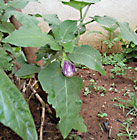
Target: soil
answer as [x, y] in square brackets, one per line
[92, 104]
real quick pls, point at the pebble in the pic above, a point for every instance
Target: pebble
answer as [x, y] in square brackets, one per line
[103, 105]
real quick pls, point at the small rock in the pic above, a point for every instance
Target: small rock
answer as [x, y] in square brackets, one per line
[103, 105]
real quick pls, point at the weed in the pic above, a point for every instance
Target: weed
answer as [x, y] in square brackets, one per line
[101, 127]
[121, 106]
[86, 91]
[92, 84]
[75, 137]
[130, 105]
[135, 84]
[118, 61]
[101, 115]
[119, 69]
[116, 99]
[113, 89]
[112, 38]
[130, 134]
[113, 59]
[100, 89]
[113, 85]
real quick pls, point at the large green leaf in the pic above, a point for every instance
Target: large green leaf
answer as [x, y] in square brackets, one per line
[78, 125]
[1, 2]
[2, 5]
[64, 32]
[27, 69]
[127, 32]
[79, 4]
[24, 19]
[88, 56]
[25, 37]
[52, 20]
[63, 94]
[14, 111]
[106, 20]
[75, 4]
[6, 27]
[33, 37]
[20, 4]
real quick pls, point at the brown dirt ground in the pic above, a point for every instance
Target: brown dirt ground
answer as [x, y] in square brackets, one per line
[91, 105]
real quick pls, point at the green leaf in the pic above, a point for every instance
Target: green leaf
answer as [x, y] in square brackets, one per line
[21, 60]
[88, 1]
[88, 56]
[1, 2]
[111, 29]
[24, 19]
[127, 32]
[52, 20]
[69, 46]
[75, 4]
[14, 111]
[2, 5]
[135, 69]
[106, 20]
[77, 138]
[33, 37]
[65, 31]
[7, 47]
[20, 4]
[1, 35]
[27, 69]
[4, 60]
[79, 4]
[25, 37]
[54, 45]
[63, 94]
[79, 125]
[6, 27]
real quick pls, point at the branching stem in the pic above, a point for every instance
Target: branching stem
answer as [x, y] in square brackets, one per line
[43, 109]
[86, 12]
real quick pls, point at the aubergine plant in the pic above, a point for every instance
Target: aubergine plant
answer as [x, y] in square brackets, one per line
[59, 51]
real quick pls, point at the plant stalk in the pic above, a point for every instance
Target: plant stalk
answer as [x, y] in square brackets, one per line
[86, 12]
[88, 22]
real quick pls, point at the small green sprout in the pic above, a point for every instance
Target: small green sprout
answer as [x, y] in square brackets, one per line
[101, 115]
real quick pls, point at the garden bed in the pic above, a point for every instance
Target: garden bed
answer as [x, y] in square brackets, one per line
[94, 103]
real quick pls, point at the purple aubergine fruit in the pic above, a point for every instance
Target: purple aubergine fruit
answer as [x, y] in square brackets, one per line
[68, 69]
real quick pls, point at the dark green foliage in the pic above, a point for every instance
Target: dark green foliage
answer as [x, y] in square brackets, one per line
[130, 51]
[14, 111]
[5, 60]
